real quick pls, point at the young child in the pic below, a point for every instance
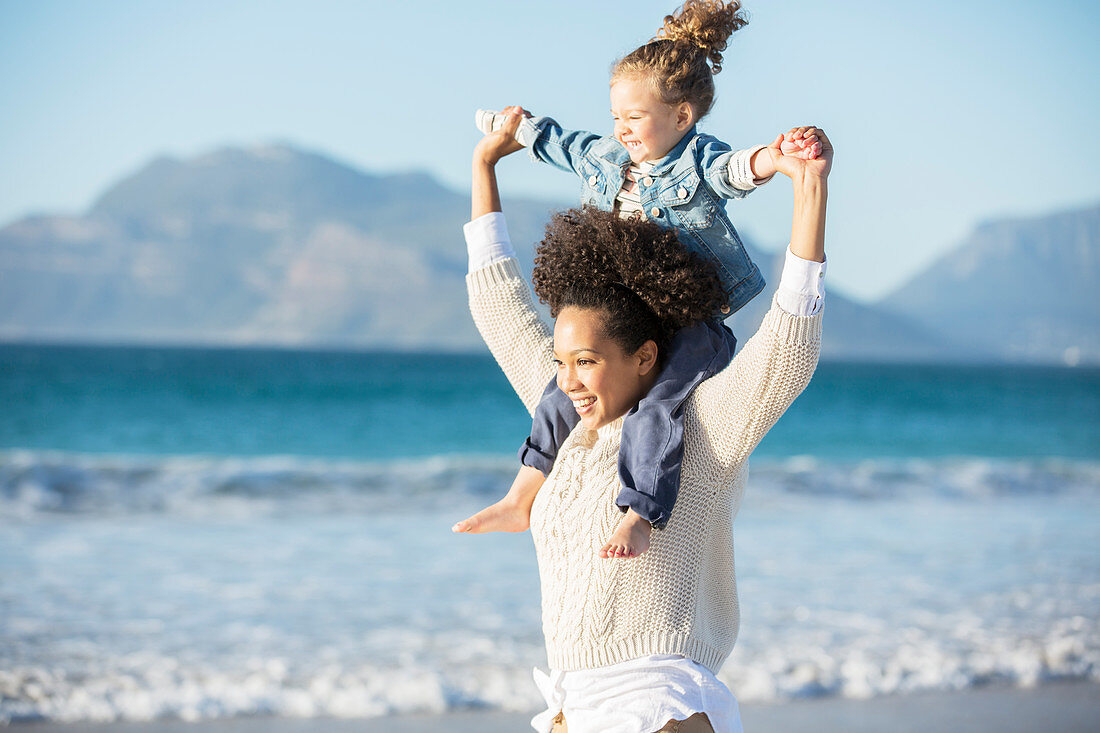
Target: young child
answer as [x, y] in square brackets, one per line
[655, 165]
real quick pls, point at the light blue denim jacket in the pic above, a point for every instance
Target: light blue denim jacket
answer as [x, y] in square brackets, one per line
[686, 190]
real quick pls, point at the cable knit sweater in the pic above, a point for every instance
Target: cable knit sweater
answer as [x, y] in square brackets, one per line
[679, 597]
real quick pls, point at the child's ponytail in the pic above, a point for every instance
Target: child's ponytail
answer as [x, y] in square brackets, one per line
[705, 25]
[676, 60]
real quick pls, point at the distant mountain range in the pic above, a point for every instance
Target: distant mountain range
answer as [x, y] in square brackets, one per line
[1023, 289]
[278, 246]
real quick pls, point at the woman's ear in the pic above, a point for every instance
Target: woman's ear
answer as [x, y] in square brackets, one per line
[647, 357]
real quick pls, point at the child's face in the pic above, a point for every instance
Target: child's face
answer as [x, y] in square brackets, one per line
[647, 126]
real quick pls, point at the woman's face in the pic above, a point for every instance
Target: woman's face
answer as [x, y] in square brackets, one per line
[603, 380]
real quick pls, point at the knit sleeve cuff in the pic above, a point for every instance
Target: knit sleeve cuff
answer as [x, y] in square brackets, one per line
[493, 275]
[792, 329]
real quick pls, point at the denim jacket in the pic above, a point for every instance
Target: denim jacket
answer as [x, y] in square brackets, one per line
[686, 190]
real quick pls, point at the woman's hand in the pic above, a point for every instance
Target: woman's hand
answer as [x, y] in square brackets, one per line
[496, 145]
[815, 158]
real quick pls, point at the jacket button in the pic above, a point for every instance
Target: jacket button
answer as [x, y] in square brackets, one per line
[725, 309]
[655, 212]
[682, 193]
[592, 180]
[647, 181]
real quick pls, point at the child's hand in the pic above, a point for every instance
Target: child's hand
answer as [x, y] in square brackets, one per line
[798, 142]
[496, 145]
[801, 142]
[489, 122]
[814, 157]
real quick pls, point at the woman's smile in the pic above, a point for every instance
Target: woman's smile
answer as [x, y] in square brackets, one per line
[584, 405]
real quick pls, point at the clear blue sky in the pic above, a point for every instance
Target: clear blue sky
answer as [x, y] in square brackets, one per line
[943, 113]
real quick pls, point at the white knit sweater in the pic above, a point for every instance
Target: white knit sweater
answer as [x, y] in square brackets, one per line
[679, 597]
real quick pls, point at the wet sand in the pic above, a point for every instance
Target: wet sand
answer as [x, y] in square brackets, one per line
[1068, 707]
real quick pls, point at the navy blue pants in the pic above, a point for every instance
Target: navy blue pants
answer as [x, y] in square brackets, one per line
[653, 431]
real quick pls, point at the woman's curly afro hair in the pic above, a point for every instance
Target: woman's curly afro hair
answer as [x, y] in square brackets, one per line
[638, 273]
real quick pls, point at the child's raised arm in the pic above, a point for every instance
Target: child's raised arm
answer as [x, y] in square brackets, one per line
[547, 141]
[733, 174]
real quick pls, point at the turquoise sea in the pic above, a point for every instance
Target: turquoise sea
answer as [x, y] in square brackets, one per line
[204, 533]
[373, 406]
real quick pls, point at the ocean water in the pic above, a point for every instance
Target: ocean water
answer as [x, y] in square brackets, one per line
[199, 534]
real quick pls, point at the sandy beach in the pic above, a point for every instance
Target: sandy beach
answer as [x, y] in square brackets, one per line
[1068, 707]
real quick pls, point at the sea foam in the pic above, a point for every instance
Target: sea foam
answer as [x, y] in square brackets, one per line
[196, 587]
[33, 482]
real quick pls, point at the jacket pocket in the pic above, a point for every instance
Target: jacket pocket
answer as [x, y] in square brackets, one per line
[593, 180]
[688, 201]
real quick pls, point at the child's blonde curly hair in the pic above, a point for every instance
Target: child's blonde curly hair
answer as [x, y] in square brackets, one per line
[676, 60]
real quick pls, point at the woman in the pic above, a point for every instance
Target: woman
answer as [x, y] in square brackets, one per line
[634, 645]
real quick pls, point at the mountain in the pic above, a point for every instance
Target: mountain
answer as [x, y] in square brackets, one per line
[1023, 289]
[268, 245]
[275, 245]
[853, 332]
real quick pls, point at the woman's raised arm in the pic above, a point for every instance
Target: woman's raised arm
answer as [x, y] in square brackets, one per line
[500, 299]
[484, 194]
[741, 403]
[811, 192]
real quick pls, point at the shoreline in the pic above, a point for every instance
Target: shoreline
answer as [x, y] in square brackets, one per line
[1068, 707]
